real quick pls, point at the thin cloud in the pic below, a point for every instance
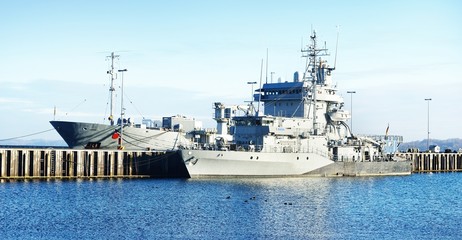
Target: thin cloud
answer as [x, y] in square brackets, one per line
[15, 101]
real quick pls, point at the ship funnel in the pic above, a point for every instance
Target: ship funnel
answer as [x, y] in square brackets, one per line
[296, 77]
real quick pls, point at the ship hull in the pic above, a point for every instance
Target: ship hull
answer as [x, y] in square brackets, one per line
[208, 163]
[80, 135]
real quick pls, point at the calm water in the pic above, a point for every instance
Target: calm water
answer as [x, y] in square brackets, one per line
[421, 206]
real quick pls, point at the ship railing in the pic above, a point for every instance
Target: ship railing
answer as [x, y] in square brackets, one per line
[290, 149]
[261, 148]
[355, 158]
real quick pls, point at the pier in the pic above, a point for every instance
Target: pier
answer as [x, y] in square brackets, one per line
[434, 162]
[29, 163]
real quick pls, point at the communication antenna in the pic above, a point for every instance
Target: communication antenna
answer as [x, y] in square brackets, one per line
[336, 46]
[301, 44]
[259, 94]
[302, 49]
[266, 66]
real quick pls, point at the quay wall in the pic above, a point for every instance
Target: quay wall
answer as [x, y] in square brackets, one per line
[27, 163]
[434, 162]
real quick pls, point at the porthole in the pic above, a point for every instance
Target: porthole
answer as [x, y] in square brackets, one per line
[251, 157]
[307, 158]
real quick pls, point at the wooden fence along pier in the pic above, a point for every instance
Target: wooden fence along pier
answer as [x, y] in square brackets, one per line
[16, 163]
[434, 162]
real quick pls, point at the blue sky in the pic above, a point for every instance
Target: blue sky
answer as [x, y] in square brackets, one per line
[182, 56]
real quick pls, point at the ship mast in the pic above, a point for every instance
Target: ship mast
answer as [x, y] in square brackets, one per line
[111, 88]
[312, 52]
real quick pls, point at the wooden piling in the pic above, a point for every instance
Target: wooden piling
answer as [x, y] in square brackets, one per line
[434, 162]
[31, 163]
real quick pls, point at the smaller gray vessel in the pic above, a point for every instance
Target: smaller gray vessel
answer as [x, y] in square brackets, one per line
[175, 131]
[82, 135]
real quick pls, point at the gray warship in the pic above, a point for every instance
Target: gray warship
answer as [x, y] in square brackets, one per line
[302, 131]
[175, 131]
